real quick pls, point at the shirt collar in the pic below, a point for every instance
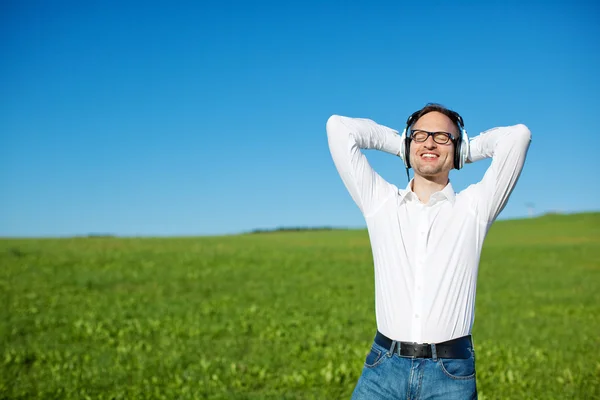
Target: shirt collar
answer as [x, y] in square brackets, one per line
[447, 192]
[407, 193]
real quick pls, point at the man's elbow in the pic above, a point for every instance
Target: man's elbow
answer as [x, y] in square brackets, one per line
[333, 124]
[523, 132]
[332, 121]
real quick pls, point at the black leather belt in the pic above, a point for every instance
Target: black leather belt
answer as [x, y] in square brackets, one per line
[455, 348]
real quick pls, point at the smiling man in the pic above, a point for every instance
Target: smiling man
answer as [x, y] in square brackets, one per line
[426, 242]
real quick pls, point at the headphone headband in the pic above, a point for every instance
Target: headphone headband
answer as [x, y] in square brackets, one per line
[459, 121]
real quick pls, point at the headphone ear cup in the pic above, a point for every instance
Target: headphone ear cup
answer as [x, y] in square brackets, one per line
[407, 152]
[457, 149]
[405, 149]
[461, 150]
[464, 148]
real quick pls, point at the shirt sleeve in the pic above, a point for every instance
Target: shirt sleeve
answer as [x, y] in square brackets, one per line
[507, 146]
[346, 137]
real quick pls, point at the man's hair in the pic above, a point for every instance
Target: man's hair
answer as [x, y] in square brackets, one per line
[429, 107]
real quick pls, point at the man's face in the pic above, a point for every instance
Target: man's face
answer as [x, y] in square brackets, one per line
[430, 159]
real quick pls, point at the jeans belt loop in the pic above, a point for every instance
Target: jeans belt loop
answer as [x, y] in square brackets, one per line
[391, 350]
[434, 352]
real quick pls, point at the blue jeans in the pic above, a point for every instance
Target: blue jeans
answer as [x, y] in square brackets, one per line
[387, 375]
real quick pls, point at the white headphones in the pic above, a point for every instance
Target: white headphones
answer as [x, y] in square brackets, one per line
[461, 145]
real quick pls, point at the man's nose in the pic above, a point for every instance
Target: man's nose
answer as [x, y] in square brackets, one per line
[430, 143]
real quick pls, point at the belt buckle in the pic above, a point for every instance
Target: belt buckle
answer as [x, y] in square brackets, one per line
[424, 349]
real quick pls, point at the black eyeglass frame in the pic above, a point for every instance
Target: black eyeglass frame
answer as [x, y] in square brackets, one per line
[449, 137]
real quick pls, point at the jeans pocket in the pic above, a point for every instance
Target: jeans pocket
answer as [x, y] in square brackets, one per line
[375, 357]
[457, 368]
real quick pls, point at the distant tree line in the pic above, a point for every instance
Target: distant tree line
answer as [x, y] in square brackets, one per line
[101, 235]
[294, 229]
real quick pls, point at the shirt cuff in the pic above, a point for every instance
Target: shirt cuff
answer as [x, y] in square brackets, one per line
[476, 147]
[394, 144]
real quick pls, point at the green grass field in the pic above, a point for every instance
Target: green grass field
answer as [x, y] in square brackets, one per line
[280, 315]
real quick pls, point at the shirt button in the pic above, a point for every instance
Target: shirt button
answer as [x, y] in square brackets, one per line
[418, 287]
[416, 315]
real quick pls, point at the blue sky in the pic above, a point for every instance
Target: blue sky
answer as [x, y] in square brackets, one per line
[208, 118]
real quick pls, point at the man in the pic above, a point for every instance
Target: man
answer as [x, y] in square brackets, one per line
[426, 242]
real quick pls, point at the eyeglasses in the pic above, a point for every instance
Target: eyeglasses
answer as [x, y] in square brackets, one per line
[420, 136]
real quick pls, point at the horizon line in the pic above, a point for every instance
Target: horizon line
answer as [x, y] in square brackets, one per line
[256, 231]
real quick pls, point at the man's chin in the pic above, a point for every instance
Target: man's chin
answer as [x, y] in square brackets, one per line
[431, 172]
[428, 172]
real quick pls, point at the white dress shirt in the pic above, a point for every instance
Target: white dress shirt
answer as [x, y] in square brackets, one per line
[426, 256]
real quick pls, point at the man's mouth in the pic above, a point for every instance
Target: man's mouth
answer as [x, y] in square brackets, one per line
[429, 156]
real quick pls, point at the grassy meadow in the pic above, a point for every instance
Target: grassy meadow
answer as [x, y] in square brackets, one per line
[286, 315]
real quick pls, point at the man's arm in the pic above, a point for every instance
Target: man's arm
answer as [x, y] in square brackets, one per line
[508, 148]
[346, 137]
